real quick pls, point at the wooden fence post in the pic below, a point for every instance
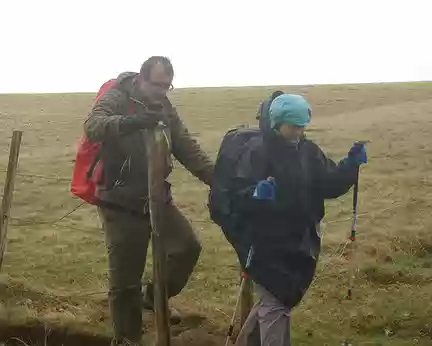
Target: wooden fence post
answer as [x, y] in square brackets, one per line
[157, 155]
[8, 190]
[246, 300]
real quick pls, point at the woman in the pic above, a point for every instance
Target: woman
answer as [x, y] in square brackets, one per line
[277, 202]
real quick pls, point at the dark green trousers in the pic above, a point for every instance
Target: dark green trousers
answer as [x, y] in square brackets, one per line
[127, 237]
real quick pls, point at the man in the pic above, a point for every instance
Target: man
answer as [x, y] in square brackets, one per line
[136, 103]
[271, 208]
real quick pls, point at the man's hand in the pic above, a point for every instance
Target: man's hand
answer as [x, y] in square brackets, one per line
[146, 120]
[150, 119]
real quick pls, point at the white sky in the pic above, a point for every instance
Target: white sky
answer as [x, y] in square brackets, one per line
[57, 46]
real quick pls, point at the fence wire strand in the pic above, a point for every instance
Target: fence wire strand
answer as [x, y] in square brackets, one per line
[338, 252]
[198, 221]
[40, 176]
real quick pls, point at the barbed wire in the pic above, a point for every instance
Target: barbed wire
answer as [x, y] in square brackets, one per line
[70, 212]
[368, 213]
[51, 222]
[41, 176]
[69, 180]
[338, 252]
[59, 178]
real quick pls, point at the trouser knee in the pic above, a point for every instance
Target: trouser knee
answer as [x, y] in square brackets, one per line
[191, 255]
[187, 257]
[181, 266]
[194, 251]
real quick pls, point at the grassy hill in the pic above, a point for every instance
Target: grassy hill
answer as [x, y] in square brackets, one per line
[55, 266]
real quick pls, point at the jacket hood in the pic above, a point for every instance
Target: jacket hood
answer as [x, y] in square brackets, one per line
[125, 80]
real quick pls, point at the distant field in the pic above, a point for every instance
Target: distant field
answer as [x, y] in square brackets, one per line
[55, 267]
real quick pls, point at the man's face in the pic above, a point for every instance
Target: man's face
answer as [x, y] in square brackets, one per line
[157, 85]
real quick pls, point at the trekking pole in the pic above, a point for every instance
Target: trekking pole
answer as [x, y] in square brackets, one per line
[353, 237]
[242, 285]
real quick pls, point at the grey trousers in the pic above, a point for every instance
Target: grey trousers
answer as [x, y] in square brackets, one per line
[271, 318]
[127, 238]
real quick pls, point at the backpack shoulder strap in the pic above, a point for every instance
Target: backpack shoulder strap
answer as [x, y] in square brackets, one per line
[104, 89]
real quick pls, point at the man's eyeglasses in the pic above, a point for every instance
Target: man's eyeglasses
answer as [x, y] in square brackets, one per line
[164, 86]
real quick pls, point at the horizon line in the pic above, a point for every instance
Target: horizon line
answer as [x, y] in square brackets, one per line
[231, 87]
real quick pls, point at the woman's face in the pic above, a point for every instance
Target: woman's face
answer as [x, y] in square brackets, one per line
[291, 132]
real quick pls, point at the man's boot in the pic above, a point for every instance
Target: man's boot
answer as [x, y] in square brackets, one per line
[148, 304]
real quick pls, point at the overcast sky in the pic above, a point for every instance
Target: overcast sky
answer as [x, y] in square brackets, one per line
[57, 46]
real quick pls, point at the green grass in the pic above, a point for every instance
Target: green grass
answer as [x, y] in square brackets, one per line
[56, 272]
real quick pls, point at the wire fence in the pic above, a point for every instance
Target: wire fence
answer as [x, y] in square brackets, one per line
[337, 253]
[78, 206]
[56, 222]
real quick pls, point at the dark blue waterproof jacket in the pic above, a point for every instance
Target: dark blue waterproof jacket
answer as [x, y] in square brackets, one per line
[283, 232]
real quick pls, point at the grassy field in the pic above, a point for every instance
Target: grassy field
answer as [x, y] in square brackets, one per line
[55, 266]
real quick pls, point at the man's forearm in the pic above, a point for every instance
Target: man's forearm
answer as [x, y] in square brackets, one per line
[100, 127]
[188, 152]
[196, 161]
[104, 122]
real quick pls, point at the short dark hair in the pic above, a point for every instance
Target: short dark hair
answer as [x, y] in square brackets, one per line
[148, 65]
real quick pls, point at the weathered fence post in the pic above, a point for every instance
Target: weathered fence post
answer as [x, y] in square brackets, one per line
[158, 156]
[8, 190]
[246, 301]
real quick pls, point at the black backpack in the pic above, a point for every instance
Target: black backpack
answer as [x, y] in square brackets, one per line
[233, 145]
[263, 111]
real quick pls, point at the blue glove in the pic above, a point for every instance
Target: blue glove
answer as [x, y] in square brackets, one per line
[265, 190]
[357, 154]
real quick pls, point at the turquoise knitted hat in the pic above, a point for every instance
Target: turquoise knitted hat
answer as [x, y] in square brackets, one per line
[289, 109]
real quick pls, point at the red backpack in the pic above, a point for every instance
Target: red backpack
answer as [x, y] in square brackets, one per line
[88, 166]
